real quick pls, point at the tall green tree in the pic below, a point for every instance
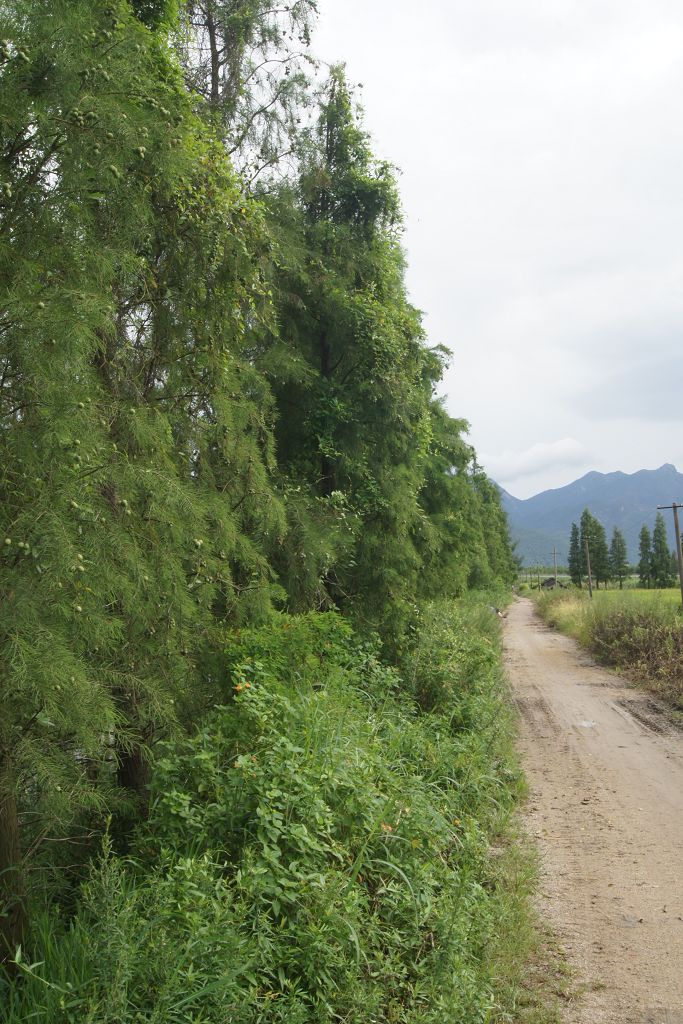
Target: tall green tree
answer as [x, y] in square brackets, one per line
[354, 387]
[593, 531]
[644, 557]
[618, 557]
[601, 549]
[576, 559]
[661, 556]
[136, 450]
[354, 395]
[446, 534]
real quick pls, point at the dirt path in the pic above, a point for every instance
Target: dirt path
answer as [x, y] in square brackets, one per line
[606, 807]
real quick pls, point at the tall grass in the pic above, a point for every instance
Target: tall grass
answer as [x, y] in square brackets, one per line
[330, 846]
[637, 631]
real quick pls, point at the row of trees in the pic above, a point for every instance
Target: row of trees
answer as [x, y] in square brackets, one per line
[607, 561]
[215, 397]
[657, 565]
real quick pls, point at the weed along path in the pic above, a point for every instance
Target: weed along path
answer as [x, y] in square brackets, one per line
[605, 774]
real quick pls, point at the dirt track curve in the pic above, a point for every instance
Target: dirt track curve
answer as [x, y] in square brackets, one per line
[605, 773]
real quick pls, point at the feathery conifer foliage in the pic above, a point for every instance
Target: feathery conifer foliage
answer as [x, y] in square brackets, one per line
[211, 405]
[593, 531]
[136, 445]
[462, 533]
[576, 561]
[645, 557]
[354, 424]
[661, 556]
[156, 12]
[618, 557]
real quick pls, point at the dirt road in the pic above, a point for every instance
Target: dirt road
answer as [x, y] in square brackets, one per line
[605, 772]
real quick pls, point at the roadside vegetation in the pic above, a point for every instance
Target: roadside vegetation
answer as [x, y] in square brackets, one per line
[319, 849]
[637, 631]
[255, 753]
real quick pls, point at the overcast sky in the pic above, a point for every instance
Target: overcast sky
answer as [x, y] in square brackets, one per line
[541, 150]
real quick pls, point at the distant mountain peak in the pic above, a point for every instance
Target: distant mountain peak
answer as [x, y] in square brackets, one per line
[627, 500]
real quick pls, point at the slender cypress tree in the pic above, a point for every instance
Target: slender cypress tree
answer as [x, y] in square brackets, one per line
[585, 528]
[661, 556]
[618, 557]
[354, 385]
[576, 561]
[644, 557]
[601, 553]
[593, 531]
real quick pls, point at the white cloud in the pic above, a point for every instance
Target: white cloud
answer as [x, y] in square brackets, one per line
[541, 149]
[512, 466]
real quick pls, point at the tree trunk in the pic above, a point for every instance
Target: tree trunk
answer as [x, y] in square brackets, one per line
[13, 914]
[133, 772]
[215, 61]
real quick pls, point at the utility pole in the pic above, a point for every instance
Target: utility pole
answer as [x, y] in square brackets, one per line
[555, 563]
[588, 567]
[675, 506]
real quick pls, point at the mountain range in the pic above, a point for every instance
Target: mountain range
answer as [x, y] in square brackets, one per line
[626, 500]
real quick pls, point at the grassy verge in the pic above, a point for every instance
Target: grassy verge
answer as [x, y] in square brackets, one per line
[531, 975]
[639, 632]
[334, 844]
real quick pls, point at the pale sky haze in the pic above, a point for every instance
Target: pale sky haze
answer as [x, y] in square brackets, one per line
[540, 144]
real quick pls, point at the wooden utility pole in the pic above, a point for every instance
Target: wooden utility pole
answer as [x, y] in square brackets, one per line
[679, 557]
[588, 567]
[555, 563]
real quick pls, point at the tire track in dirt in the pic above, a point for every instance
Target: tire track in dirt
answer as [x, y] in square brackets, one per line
[605, 772]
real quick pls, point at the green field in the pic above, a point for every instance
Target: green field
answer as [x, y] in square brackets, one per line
[576, 608]
[633, 597]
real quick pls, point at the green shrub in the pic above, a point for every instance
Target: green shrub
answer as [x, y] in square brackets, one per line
[647, 641]
[453, 657]
[162, 948]
[318, 851]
